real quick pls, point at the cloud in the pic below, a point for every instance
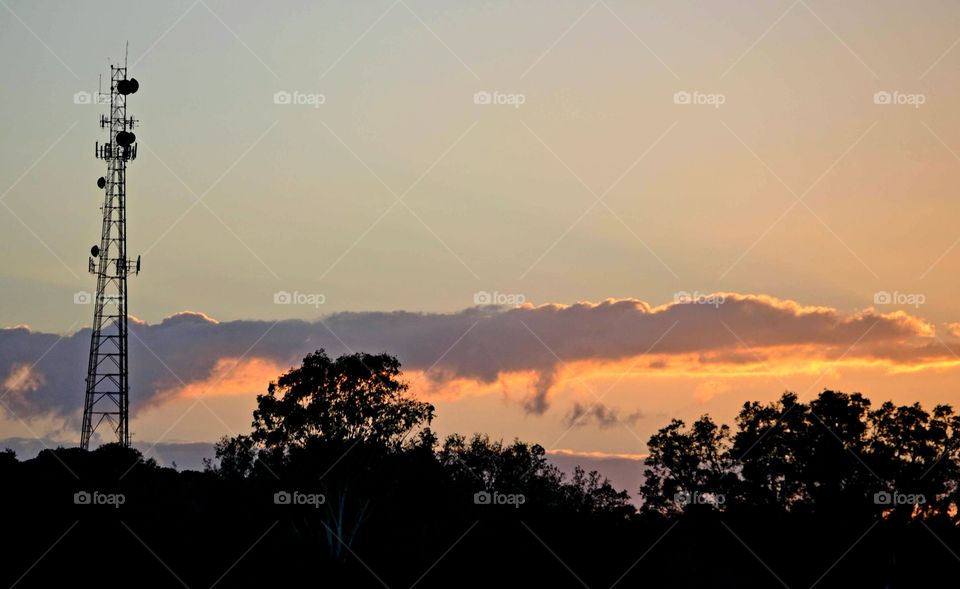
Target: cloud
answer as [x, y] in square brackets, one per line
[600, 415]
[479, 344]
[22, 379]
[597, 455]
[707, 390]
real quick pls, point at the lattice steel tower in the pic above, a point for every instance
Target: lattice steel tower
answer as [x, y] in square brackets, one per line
[107, 389]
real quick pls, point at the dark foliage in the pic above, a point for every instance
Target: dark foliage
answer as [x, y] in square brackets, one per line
[342, 483]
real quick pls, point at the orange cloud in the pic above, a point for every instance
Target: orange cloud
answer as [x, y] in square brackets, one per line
[23, 379]
[230, 376]
[594, 454]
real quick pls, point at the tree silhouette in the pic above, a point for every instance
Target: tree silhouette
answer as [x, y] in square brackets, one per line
[357, 397]
[687, 466]
[770, 448]
[833, 456]
[349, 412]
[481, 464]
[918, 453]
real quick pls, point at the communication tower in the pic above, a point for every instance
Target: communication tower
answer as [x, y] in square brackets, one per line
[107, 384]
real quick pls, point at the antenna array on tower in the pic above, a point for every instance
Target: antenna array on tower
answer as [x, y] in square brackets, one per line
[107, 385]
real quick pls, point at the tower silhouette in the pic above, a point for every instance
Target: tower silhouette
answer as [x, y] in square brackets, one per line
[107, 384]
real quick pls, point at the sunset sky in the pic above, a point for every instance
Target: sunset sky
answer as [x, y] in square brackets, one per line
[681, 206]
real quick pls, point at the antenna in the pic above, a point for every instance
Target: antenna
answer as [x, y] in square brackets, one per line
[107, 385]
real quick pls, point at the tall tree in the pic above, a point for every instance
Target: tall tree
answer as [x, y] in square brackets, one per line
[688, 467]
[770, 448]
[355, 398]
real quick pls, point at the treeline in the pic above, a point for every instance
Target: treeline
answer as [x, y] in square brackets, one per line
[342, 482]
[833, 455]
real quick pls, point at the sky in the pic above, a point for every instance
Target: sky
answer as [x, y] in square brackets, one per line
[674, 207]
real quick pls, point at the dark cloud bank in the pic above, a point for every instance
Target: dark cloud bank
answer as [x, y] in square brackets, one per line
[479, 343]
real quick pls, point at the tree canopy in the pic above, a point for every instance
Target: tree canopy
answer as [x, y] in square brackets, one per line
[356, 397]
[833, 454]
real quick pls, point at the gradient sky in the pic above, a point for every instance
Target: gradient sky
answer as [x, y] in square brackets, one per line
[799, 186]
